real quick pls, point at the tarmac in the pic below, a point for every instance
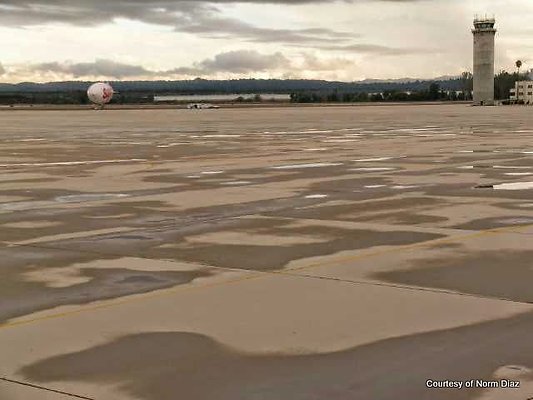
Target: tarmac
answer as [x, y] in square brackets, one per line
[266, 254]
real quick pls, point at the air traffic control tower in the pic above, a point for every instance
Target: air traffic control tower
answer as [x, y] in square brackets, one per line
[484, 34]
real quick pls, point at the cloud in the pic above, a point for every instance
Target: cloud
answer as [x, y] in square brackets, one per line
[249, 61]
[98, 68]
[98, 12]
[234, 62]
[238, 62]
[95, 12]
[311, 62]
[214, 26]
[2, 69]
[367, 48]
[201, 17]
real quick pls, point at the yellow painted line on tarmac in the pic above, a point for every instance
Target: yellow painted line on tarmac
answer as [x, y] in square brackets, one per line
[126, 300]
[257, 275]
[72, 235]
[374, 253]
[340, 260]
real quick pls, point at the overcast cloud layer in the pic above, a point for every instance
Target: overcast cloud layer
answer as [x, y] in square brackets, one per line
[172, 39]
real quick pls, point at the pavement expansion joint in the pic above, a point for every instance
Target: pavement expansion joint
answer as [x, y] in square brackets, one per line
[287, 272]
[101, 253]
[43, 388]
[404, 287]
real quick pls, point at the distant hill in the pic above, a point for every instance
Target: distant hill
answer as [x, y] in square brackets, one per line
[240, 86]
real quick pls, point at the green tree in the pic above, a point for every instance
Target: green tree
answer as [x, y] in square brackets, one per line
[518, 65]
[467, 84]
[434, 91]
[333, 97]
[504, 82]
[376, 97]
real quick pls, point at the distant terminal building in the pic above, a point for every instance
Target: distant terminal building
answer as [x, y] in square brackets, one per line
[522, 92]
[221, 98]
[484, 37]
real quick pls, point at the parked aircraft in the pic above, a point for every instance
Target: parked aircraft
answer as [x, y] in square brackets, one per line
[201, 106]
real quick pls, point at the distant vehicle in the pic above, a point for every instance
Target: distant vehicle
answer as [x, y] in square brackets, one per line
[100, 94]
[201, 106]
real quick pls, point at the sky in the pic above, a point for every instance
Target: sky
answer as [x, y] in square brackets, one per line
[347, 40]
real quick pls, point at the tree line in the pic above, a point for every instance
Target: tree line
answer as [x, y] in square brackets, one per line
[300, 90]
[460, 90]
[205, 86]
[433, 92]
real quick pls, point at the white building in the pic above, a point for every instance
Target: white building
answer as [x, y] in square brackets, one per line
[522, 92]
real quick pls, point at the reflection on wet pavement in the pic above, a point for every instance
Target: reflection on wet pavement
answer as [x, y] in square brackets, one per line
[99, 208]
